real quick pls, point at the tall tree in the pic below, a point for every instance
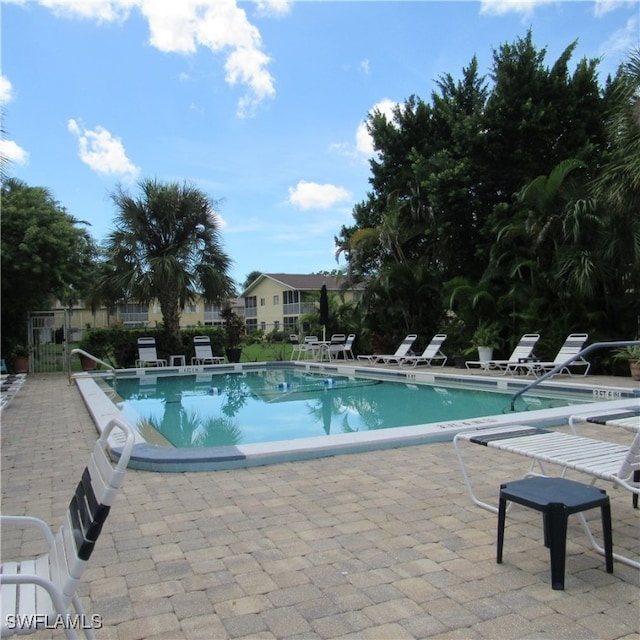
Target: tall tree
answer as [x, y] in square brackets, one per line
[46, 256]
[167, 247]
[617, 190]
[535, 117]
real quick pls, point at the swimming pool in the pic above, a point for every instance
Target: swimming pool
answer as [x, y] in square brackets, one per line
[213, 410]
[338, 427]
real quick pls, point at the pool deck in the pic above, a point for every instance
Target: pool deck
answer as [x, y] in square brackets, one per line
[383, 544]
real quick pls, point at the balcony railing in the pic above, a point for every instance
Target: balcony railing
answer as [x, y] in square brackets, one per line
[129, 318]
[298, 308]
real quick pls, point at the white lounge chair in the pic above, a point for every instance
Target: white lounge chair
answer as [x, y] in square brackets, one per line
[522, 352]
[401, 352]
[432, 352]
[10, 384]
[628, 419]
[571, 347]
[41, 592]
[204, 354]
[598, 459]
[623, 419]
[147, 354]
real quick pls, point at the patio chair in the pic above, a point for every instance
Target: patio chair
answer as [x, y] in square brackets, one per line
[345, 348]
[598, 459]
[432, 352]
[9, 387]
[306, 349]
[147, 355]
[204, 354]
[623, 419]
[572, 345]
[401, 352]
[41, 592]
[523, 352]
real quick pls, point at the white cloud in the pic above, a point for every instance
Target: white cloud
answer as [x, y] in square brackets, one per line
[13, 152]
[311, 195]
[622, 41]
[603, 7]
[181, 26]
[6, 90]
[500, 7]
[101, 10]
[274, 7]
[364, 143]
[102, 152]
[10, 150]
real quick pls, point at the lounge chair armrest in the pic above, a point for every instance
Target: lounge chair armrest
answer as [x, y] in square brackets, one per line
[30, 522]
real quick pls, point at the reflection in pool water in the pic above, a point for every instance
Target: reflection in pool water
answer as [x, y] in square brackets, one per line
[211, 410]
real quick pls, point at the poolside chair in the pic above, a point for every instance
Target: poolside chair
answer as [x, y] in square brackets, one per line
[41, 592]
[345, 348]
[623, 419]
[9, 387]
[147, 355]
[306, 349]
[522, 353]
[401, 352]
[598, 459]
[431, 353]
[204, 355]
[572, 345]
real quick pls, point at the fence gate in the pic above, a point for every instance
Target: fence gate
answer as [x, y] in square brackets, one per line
[48, 335]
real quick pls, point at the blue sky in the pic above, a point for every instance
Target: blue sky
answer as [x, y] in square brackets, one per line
[259, 104]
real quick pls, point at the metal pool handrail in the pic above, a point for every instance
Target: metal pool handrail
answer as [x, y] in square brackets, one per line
[580, 354]
[82, 352]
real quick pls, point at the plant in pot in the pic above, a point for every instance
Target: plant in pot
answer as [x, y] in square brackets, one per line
[19, 357]
[485, 339]
[87, 364]
[233, 332]
[632, 355]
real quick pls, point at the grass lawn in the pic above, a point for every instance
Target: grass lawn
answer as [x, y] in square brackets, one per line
[258, 352]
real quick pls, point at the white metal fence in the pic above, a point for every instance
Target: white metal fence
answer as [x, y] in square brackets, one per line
[48, 337]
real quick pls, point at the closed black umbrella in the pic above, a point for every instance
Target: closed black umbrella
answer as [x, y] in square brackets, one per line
[324, 310]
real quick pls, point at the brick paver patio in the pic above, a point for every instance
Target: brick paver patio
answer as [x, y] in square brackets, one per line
[384, 544]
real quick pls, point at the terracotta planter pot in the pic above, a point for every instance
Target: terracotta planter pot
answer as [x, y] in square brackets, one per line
[87, 364]
[634, 368]
[20, 364]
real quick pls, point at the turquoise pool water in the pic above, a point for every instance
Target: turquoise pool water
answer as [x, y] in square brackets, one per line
[213, 410]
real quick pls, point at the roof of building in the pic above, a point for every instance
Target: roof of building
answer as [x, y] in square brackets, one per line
[303, 282]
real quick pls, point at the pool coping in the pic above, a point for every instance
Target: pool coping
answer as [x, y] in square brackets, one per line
[156, 458]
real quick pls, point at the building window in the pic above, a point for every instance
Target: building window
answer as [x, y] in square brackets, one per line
[290, 323]
[262, 302]
[276, 300]
[132, 313]
[291, 297]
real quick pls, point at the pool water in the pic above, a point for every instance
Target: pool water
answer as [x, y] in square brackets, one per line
[212, 410]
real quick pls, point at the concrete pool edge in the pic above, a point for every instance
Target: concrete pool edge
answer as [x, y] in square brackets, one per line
[150, 457]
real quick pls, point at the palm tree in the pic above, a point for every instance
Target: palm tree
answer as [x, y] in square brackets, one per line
[617, 189]
[167, 247]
